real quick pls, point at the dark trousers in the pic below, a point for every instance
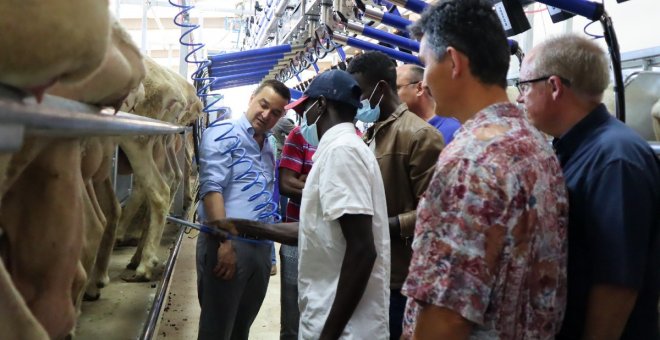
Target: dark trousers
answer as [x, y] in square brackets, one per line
[290, 314]
[229, 307]
[397, 308]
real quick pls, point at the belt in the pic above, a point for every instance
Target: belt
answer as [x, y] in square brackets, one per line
[250, 237]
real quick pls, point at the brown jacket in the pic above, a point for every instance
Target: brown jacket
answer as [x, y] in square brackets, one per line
[407, 149]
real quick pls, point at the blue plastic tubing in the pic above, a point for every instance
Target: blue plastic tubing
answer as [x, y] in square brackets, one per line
[266, 51]
[398, 55]
[390, 38]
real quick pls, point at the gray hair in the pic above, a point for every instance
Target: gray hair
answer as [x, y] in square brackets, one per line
[577, 59]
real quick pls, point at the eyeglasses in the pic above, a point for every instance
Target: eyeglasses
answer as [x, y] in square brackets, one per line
[398, 87]
[523, 86]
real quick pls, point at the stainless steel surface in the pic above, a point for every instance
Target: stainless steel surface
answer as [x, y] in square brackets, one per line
[656, 147]
[641, 58]
[61, 117]
[642, 92]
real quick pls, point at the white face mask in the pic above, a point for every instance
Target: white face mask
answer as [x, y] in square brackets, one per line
[366, 113]
[310, 132]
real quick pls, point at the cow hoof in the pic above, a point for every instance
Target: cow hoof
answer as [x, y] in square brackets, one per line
[135, 278]
[132, 266]
[103, 281]
[90, 297]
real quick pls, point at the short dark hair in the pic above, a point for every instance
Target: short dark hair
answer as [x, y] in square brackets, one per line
[277, 86]
[374, 66]
[473, 28]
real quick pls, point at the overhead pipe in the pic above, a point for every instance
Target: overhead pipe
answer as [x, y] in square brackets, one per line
[416, 6]
[241, 72]
[255, 59]
[264, 51]
[382, 36]
[278, 12]
[247, 66]
[388, 19]
[246, 75]
[236, 84]
[365, 45]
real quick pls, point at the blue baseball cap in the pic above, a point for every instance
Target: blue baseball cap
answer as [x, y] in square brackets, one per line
[336, 85]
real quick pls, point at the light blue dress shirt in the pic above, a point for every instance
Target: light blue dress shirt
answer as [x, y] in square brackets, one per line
[217, 174]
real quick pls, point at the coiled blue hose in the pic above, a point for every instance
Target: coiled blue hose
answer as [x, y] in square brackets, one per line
[267, 207]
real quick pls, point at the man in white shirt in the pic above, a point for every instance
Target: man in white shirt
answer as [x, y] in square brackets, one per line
[343, 235]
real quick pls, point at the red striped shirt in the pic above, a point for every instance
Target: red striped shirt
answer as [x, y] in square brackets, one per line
[296, 156]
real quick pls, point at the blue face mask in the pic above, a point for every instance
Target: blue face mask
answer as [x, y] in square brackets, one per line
[366, 113]
[309, 132]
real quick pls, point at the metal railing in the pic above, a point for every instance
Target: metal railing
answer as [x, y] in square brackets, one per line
[151, 326]
[60, 117]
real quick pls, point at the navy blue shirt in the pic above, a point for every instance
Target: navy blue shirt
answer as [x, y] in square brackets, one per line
[613, 180]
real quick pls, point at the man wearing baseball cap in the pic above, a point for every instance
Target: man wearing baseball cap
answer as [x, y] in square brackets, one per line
[343, 236]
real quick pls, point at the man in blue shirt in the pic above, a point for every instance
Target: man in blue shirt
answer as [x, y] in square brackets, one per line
[613, 180]
[236, 170]
[417, 96]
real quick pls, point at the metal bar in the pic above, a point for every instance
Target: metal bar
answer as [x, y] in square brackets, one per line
[149, 329]
[61, 117]
[365, 45]
[246, 66]
[228, 86]
[388, 19]
[416, 6]
[656, 147]
[386, 37]
[249, 75]
[587, 9]
[241, 72]
[251, 53]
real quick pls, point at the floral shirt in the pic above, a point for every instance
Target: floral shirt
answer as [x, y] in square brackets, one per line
[491, 240]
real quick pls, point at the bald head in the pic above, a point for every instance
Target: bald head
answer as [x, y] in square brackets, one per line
[412, 92]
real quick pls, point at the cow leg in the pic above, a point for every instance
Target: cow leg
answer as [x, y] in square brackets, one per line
[42, 217]
[112, 210]
[17, 322]
[174, 168]
[128, 213]
[156, 191]
[95, 223]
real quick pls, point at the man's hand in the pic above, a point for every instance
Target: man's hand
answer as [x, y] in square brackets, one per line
[226, 265]
[224, 224]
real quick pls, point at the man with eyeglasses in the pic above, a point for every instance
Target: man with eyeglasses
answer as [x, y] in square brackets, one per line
[412, 91]
[489, 252]
[613, 180]
[407, 149]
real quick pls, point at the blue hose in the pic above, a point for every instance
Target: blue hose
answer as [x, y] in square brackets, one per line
[267, 207]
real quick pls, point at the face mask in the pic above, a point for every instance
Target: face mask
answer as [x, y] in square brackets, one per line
[309, 132]
[366, 113]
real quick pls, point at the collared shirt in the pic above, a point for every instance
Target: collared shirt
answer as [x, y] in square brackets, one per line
[490, 241]
[613, 180]
[297, 157]
[345, 179]
[220, 148]
[446, 125]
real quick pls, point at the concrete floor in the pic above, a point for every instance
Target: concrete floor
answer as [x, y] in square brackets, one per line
[121, 311]
[181, 314]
